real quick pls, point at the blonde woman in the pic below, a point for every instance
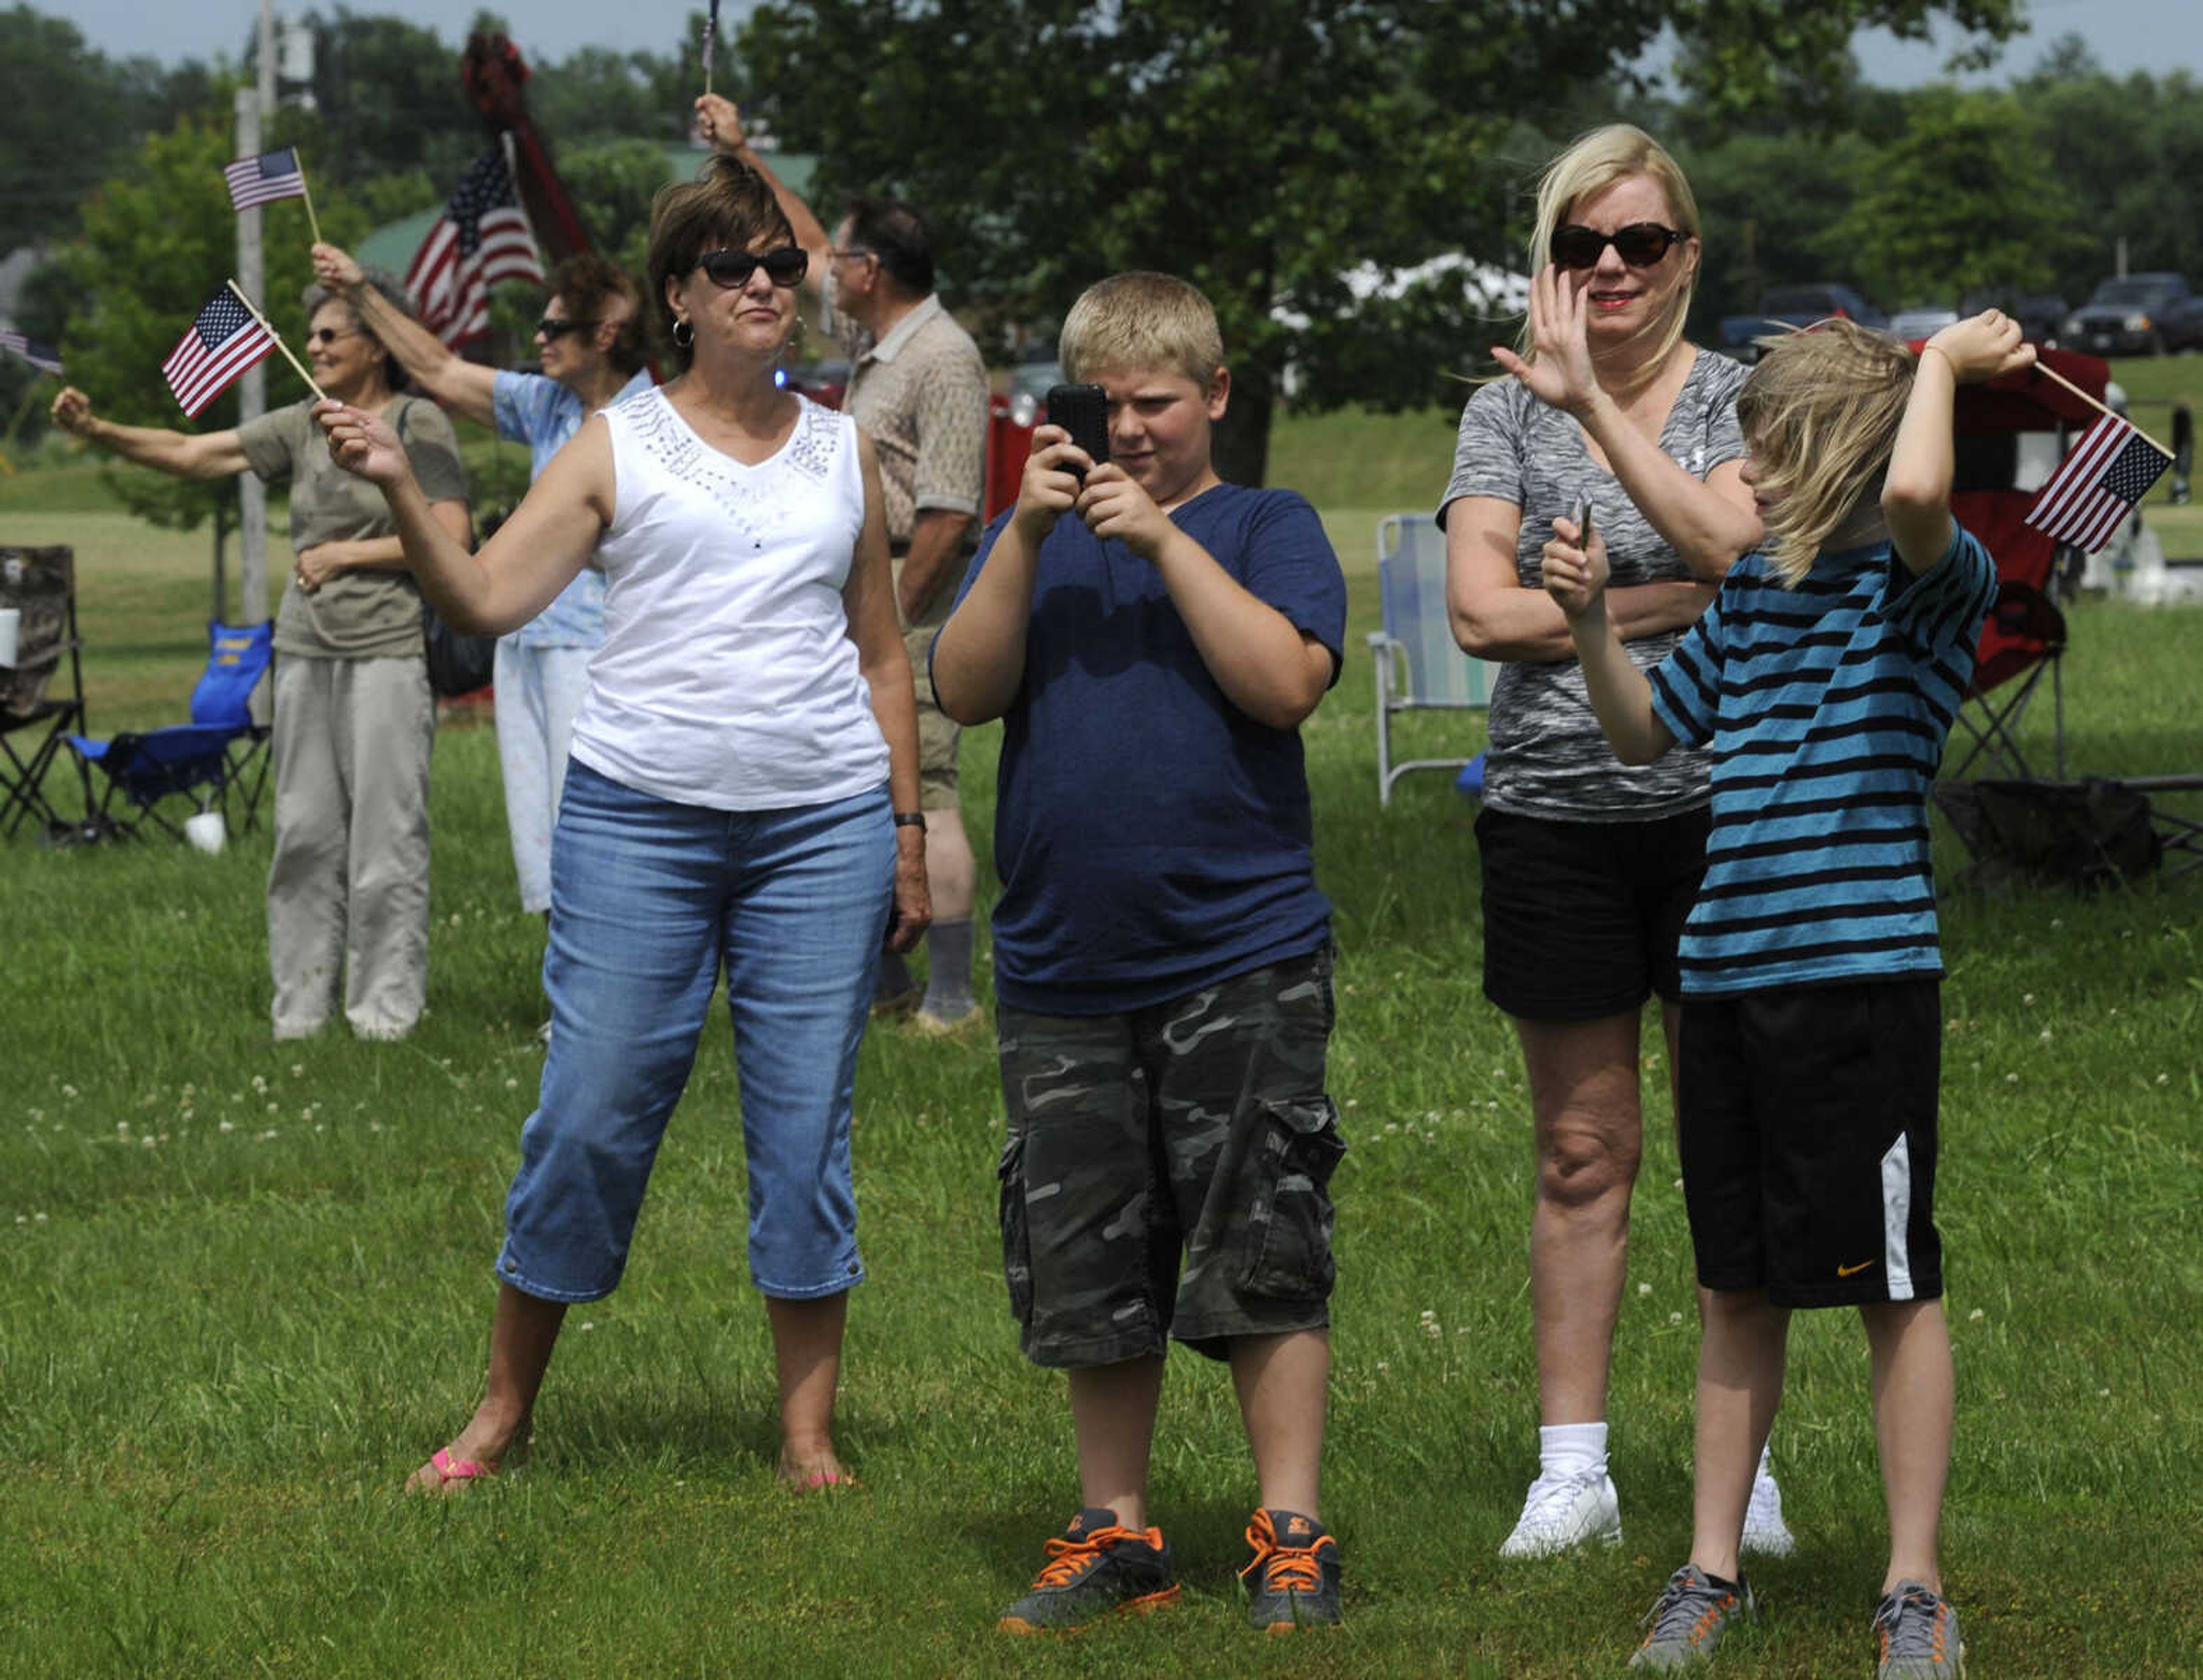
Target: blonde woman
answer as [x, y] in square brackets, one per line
[1589, 867]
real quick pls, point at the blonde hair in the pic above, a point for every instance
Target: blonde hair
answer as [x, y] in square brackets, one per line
[1138, 322]
[1820, 415]
[1596, 161]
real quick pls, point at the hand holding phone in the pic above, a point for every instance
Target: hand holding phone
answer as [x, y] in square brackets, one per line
[1083, 410]
[1581, 515]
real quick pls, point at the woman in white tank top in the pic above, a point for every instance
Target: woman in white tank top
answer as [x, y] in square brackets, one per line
[742, 796]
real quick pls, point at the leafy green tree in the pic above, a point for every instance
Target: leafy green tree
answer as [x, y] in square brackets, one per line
[1965, 200]
[156, 241]
[1770, 207]
[1262, 149]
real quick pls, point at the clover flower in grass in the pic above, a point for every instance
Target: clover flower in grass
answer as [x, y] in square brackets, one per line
[1976, 1315]
[1643, 1289]
[1675, 1318]
[226, 1126]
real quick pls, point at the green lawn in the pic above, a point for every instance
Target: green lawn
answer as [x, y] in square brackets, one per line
[245, 1289]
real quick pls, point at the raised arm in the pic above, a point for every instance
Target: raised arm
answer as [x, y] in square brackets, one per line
[721, 124]
[534, 554]
[1495, 616]
[1621, 698]
[979, 656]
[183, 454]
[1916, 495]
[1710, 522]
[455, 383]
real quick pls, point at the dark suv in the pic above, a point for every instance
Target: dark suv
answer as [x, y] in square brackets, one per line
[2137, 315]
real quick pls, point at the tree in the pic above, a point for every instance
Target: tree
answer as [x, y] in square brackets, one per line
[157, 240]
[1965, 200]
[1260, 148]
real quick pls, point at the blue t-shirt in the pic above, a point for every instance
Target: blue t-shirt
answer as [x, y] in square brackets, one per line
[543, 414]
[1827, 707]
[1153, 838]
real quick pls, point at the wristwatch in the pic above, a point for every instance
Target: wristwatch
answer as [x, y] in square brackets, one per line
[910, 819]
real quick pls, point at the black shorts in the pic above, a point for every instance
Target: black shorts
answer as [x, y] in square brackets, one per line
[1808, 1133]
[1581, 920]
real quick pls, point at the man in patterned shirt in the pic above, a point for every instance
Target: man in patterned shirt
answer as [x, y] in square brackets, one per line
[918, 387]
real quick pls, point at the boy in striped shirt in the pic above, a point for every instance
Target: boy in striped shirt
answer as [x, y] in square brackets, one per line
[1824, 677]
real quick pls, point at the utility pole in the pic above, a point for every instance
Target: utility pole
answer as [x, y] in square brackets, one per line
[254, 104]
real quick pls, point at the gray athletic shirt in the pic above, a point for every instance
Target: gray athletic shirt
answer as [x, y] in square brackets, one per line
[1547, 757]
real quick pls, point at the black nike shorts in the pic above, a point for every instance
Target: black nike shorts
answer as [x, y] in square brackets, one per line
[1808, 1136]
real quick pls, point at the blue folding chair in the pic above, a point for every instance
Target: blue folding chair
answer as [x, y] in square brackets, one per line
[220, 752]
[1418, 663]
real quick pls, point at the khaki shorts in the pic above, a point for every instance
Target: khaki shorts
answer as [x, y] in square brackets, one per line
[937, 735]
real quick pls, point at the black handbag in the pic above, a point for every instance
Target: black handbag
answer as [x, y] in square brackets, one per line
[459, 663]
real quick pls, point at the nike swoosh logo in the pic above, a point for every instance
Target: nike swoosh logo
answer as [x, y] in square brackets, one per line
[1847, 1271]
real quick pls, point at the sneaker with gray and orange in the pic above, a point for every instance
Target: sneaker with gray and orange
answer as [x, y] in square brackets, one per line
[1097, 1568]
[1292, 1581]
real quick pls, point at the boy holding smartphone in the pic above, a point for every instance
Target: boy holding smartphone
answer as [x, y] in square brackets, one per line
[1163, 958]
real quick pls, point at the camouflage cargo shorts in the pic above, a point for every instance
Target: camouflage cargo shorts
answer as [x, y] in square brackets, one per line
[1196, 1129]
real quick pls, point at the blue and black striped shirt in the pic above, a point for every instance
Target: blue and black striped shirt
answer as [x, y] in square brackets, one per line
[1827, 706]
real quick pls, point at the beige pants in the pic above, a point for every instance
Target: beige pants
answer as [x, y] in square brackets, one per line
[348, 893]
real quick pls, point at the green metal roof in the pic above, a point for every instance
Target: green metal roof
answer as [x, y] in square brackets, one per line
[393, 246]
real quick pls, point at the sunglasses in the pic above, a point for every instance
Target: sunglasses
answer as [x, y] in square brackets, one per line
[553, 331]
[784, 266]
[1640, 244]
[331, 335]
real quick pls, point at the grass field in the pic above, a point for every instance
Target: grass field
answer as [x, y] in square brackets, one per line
[245, 1289]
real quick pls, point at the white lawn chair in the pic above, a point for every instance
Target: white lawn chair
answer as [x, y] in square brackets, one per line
[1418, 664]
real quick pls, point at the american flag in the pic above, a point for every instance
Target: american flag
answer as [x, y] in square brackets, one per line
[2106, 474]
[481, 238]
[222, 343]
[42, 357]
[264, 179]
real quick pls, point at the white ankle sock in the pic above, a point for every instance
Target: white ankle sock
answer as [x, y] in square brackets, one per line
[1572, 1449]
[1765, 1469]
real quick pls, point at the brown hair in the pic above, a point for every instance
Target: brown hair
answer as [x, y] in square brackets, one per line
[1820, 415]
[728, 207]
[1141, 322]
[587, 283]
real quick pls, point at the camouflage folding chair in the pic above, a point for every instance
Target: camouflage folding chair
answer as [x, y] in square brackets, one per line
[39, 585]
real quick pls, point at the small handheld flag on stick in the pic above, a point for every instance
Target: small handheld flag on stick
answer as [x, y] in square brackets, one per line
[275, 338]
[2106, 474]
[2050, 373]
[270, 176]
[228, 337]
[42, 357]
[710, 35]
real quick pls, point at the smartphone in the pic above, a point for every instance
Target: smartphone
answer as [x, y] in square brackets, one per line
[1581, 516]
[1083, 412]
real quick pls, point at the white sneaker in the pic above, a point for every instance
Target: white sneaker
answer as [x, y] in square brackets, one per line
[1765, 1531]
[1562, 1512]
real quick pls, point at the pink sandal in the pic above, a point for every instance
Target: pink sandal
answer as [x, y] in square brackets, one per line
[450, 1469]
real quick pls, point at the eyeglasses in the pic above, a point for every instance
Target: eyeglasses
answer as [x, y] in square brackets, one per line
[845, 254]
[784, 266]
[552, 331]
[331, 335]
[1640, 244]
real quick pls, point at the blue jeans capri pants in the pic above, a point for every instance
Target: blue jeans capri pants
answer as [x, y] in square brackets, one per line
[649, 900]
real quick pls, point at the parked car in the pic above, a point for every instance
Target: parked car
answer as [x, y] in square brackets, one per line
[1030, 384]
[2131, 315]
[1781, 306]
[1908, 326]
[824, 382]
[2041, 318]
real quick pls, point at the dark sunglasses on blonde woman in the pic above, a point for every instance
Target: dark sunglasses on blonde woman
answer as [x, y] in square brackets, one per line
[784, 266]
[1640, 244]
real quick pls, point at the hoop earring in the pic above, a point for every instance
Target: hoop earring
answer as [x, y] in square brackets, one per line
[684, 334]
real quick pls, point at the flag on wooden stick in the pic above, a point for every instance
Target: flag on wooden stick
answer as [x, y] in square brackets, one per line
[2102, 479]
[481, 238]
[225, 340]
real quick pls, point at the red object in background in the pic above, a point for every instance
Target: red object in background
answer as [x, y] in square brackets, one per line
[493, 74]
[1007, 445]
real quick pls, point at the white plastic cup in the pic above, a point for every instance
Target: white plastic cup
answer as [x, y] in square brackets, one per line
[207, 831]
[11, 623]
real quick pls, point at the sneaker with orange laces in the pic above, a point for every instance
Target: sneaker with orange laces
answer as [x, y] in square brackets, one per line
[1292, 1581]
[1097, 1569]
